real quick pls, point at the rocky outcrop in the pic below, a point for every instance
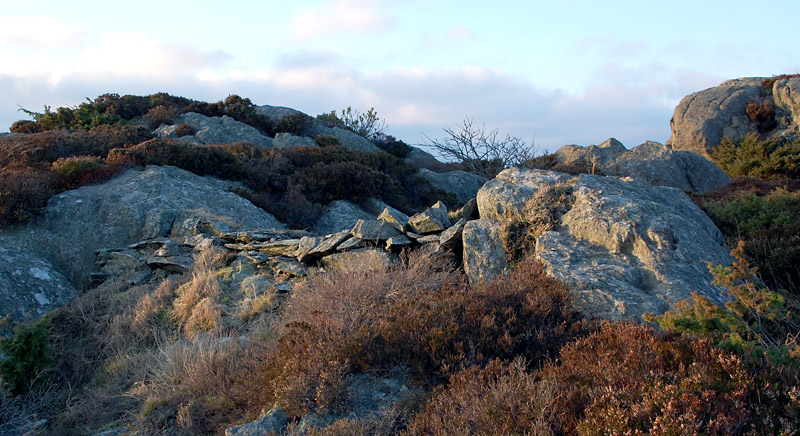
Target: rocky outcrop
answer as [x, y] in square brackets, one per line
[314, 127]
[29, 285]
[702, 119]
[214, 130]
[625, 248]
[152, 203]
[461, 183]
[651, 162]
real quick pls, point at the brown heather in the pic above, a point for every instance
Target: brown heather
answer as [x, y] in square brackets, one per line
[623, 379]
[414, 315]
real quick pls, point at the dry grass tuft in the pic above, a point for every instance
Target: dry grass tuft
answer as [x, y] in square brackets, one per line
[195, 308]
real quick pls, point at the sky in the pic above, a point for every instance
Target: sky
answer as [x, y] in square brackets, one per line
[550, 72]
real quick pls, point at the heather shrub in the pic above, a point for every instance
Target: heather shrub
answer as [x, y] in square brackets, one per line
[22, 192]
[159, 115]
[499, 398]
[622, 379]
[185, 130]
[296, 124]
[763, 115]
[209, 160]
[771, 158]
[24, 126]
[392, 145]
[236, 107]
[73, 172]
[770, 81]
[49, 146]
[628, 379]
[326, 140]
[416, 316]
[541, 213]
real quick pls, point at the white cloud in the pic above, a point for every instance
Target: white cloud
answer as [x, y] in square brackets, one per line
[460, 34]
[37, 31]
[340, 17]
[130, 53]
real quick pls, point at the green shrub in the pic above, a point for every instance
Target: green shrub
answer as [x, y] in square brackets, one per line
[74, 172]
[751, 157]
[766, 220]
[25, 356]
[757, 323]
[368, 124]
[236, 107]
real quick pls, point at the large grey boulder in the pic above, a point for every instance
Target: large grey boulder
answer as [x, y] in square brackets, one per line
[214, 130]
[137, 205]
[650, 161]
[702, 119]
[340, 215]
[29, 285]
[316, 127]
[625, 248]
[461, 183]
[287, 140]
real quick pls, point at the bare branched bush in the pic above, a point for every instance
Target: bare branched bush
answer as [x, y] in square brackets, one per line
[482, 151]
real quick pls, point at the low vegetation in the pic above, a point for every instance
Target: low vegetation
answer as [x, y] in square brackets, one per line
[764, 159]
[91, 143]
[506, 356]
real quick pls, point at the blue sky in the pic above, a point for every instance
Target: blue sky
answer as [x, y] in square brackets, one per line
[561, 72]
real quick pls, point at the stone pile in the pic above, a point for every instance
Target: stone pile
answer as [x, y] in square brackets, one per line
[290, 254]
